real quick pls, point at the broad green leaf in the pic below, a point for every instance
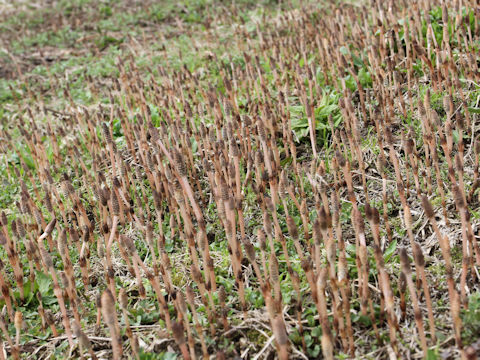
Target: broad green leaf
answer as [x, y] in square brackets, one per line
[390, 250]
[44, 282]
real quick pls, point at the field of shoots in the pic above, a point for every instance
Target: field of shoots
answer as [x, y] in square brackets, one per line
[211, 179]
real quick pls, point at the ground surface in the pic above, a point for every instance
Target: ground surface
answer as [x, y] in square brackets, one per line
[239, 179]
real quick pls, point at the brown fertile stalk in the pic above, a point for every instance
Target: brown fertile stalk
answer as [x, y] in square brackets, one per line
[14, 351]
[325, 224]
[191, 301]
[108, 137]
[18, 328]
[420, 265]
[234, 152]
[427, 134]
[381, 165]
[198, 278]
[298, 307]
[275, 283]
[293, 231]
[83, 340]
[151, 245]
[373, 217]
[327, 341]
[410, 151]
[32, 253]
[70, 296]
[182, 310]
[128, 242]
[405, 262]
[279, 235]
[400, 185]
[235, 252]
[48, 262]
[222, 297]
[181, 169]
[467, 235]
[432, 143]
[108, 246]
[50, 321]
[276, 319]
[342, 272]
[357, 221]
[67, 263]
[445, 248]
[281, 337]
[179, 336]
[250, 251]
[402, 288]
[476, 168]
[98, 304]
[363, 259]
[387, 292]
[311, 126]
[5, 289]
[110, 317]
[123, 301]
[41, 311]
[192, 249]
[12, 254]
[202, 240]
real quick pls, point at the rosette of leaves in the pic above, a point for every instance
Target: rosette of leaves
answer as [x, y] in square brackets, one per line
[328, 105]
